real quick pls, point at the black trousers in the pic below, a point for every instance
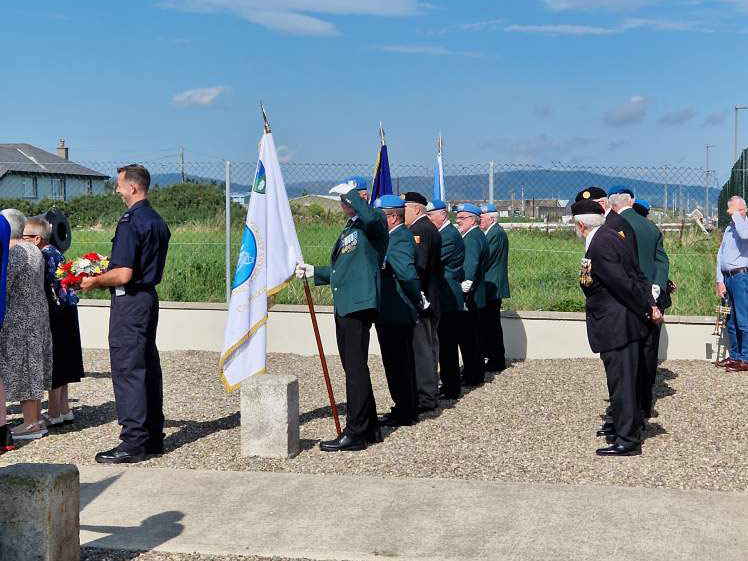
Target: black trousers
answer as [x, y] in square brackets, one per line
[621, 367]
[492, 335]
[647, 372]
[427, 379]
[352, 332]
[469, 340]
[396, 343]
[449, 358]
[136, 370]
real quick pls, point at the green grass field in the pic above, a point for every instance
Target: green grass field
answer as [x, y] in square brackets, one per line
[543, 267]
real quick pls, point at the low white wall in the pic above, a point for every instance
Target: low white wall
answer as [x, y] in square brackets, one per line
[533, 335]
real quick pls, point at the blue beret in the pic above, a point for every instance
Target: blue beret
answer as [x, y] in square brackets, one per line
[618, 189]
[468, 207]
[488, 207]
[360, 183]
[436, 204]
[643, 203]
[389, 201]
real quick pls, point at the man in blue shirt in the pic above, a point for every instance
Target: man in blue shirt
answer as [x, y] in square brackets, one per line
[136, 265]
[732, 279]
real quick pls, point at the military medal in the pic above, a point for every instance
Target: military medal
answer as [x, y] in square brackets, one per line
[585, 272]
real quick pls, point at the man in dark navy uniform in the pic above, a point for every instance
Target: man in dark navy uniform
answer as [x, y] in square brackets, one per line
[135, 268]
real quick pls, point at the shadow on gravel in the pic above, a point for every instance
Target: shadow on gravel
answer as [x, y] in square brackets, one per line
[662, 389]
[98, 374]
[192, 431]
[323, 413]
[152, 532]
[653, 430]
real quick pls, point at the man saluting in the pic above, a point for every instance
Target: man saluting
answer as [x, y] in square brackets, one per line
[618, 312]
[354, 275]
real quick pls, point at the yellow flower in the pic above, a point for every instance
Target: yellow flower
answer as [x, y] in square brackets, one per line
[97, 270]
[104, 263]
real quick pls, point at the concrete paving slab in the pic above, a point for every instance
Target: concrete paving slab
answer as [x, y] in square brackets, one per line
[364, 518]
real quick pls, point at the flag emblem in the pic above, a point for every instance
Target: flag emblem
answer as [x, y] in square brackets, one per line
[245, 266]
[259, 184]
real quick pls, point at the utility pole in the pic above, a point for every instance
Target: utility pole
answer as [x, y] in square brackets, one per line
[706, 181]
[181, 161]
[735, 137]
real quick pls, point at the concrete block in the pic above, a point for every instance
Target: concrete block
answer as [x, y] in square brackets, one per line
[39, 507]
[270, 416]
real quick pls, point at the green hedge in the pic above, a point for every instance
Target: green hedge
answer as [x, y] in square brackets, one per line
[180, 204]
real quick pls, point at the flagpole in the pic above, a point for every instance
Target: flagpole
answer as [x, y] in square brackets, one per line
[322, 355]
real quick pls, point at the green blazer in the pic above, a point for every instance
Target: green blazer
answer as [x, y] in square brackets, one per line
[401, 289]
[497, 275]
[355, 267]
[653, 260]
[452, 257]
[475, 266]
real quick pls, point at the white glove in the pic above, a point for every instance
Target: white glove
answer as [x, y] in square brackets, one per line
[342, 189]
[466, 285]
[655, 291]
[304, 270]
[424, 302]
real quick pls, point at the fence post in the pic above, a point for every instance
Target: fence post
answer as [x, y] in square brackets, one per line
[490, 182]
[228, 231]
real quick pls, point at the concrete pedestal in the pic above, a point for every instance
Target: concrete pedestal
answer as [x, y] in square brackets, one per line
[39, 506]
[270, 416]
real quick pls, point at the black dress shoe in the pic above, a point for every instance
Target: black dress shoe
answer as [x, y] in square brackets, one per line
[495, 366]
[344, 443]
[620, 450]
[426, 409]
[118, 456]
[375, 437]
[473, 382]
[392, 420]
[611, 438]
[606, 430]
[156, 449]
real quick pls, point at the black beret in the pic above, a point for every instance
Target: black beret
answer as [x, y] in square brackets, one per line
[586, 206]
[591, 193]
[413, 197]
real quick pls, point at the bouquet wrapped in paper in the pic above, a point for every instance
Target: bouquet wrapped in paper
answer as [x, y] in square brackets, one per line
[71, 273]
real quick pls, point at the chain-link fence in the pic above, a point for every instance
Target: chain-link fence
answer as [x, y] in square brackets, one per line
[533, 202]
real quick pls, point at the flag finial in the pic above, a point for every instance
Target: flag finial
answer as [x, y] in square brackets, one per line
[265, 117]
[440, 143]
[381, 133]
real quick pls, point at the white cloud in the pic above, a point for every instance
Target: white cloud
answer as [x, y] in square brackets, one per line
[285, 154]
[475, 26]
[664, 25]
[424, 50]
[561, 29]
[677, 118]
[198, 96]
[615, 5]
[293, 16]
[631, 112]
[715, 119]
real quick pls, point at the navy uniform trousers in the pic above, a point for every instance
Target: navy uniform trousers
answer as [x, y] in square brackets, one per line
[136, 369]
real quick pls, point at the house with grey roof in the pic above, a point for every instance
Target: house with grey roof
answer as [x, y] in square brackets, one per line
[28, 172]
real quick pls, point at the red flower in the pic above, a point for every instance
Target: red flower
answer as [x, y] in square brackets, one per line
[66, 266]
[93, 256]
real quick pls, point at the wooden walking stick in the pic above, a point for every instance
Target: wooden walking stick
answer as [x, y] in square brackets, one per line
[322, 355]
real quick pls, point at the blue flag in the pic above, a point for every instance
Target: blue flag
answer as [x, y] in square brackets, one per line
[382, 183]
[437, 196]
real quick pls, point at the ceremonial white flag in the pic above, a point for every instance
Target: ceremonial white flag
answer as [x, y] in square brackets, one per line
[267, 260]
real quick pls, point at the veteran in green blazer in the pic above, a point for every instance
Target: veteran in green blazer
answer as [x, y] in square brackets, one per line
[497, 288]
[451, 298]
[398, 314]
[474, 289]
[654, 263]
[354, 275]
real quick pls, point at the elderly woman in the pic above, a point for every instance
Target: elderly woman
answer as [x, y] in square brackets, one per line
[67, 356]
[25, 339]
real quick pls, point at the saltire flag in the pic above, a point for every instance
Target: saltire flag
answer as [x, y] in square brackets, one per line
[439, 172]
[382, 182]
[269, 254]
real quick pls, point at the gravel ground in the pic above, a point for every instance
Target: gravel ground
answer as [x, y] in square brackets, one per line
[535, 422]
[94, 554]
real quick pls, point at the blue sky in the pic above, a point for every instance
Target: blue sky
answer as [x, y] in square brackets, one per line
[599, 82]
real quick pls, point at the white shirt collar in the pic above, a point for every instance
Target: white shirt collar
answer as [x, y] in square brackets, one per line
[446, 223]
[588, 239]
[470, 230]
[396, 227]
[417, 219]
[489, 228]
[607, 211]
